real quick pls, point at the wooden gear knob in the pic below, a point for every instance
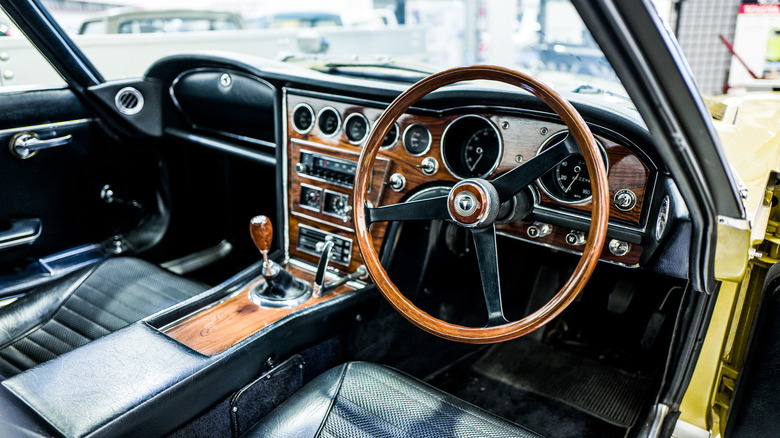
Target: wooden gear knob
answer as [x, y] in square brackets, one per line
[262, 232]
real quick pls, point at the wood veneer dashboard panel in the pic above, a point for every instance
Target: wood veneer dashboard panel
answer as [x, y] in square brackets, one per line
[521, 139]
[217, 328]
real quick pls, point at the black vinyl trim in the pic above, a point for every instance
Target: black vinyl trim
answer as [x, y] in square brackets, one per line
[235, 150]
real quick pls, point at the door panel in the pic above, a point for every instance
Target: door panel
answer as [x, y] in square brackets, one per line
[74, 195]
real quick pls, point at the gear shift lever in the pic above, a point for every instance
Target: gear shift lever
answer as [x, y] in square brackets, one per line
[262, 234]
[280, 288]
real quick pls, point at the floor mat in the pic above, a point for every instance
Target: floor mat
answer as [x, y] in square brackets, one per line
[547, 417]
[610, 394]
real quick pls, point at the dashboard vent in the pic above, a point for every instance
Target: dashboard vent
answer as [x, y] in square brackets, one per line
[129, 101]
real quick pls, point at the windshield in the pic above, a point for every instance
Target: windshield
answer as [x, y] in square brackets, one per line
[545, 38]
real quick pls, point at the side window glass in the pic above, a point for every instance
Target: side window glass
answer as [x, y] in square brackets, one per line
[21, 65]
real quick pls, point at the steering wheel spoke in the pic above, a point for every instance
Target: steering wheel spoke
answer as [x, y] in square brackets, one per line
[425, 209]
[512, 182]
[487, 257]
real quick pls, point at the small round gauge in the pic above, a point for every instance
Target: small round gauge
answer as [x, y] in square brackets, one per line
[391, 137]
[329, 121]
[417, 139]
[568, 182]
[303, 118]
[356, 128]
[471, 147]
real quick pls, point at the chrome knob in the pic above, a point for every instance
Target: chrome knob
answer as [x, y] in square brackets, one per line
[539, 229]
[429, 166]
[618, 247]
[575, 238]
[397, 182]
[300, 167]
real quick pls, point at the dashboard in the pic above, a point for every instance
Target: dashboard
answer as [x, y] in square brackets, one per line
[324, 134]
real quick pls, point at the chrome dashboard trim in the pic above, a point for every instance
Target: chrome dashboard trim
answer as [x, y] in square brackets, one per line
[338, 117]
[313, 118]
[395, 141]
[368, 128]
[285, 195]
[430, 139]
[562, 249]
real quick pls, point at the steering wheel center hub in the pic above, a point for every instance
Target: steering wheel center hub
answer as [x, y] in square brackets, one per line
[473, 203]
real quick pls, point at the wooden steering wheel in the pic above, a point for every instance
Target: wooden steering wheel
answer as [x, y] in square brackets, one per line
[474, 203]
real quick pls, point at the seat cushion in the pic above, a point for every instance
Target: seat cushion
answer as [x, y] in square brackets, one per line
[361, 399]
[84, 306]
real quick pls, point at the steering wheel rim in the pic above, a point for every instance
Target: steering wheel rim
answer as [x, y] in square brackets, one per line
[599, 213]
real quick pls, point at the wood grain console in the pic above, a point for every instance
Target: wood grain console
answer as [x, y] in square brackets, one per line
[230, 321]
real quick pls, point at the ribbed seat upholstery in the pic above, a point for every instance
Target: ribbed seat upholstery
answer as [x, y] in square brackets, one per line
[85, 306]
[360, 400]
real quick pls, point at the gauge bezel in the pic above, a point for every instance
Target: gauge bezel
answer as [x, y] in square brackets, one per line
[547, 191]
[498, 136]
[346, 123]
[394, 143]
[338, 118]
[313, 118]
[427, 147]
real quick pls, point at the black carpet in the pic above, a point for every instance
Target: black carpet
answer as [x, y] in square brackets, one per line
[551, 392]
[606, 392]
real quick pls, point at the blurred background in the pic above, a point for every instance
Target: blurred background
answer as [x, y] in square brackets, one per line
[531, 35]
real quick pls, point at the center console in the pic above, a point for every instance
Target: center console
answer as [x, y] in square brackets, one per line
[322, 149]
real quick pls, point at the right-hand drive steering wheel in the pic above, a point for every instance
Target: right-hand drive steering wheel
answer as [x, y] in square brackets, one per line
[474, 203]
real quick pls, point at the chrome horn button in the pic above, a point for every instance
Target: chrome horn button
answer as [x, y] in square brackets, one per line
[466, 203]
[473, 203]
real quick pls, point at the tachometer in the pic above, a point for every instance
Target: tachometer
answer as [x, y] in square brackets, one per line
[471, 147]
[569, 181]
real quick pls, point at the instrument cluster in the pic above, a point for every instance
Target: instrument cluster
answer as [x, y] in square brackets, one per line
[325, 136]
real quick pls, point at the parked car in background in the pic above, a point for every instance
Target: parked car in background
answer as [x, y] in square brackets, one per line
[287, 20]
[133, 21]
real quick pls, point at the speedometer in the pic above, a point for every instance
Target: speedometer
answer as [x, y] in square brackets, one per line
[569, 181]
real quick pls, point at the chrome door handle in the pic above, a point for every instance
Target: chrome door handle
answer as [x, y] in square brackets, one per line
[26, 144]
[22, 232]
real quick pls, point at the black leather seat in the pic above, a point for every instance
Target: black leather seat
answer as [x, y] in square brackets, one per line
[84, 306]
[361, 399]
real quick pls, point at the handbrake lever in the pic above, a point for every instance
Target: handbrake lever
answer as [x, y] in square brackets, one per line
[320, 287]
[322, 267]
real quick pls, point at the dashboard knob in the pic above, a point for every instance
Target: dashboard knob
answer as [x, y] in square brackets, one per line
[397, 182]
[301, 168]
[624, 200]
[429, 166]
[539, 229]
[575, 238]
[619, 247]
